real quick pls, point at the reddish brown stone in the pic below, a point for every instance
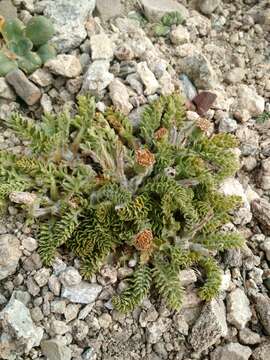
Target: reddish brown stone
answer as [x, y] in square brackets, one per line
[203, 101]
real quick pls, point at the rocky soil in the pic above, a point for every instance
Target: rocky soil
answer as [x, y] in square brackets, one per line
[108, 50]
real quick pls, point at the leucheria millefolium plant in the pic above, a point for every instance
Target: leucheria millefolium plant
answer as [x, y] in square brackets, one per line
[100, 185]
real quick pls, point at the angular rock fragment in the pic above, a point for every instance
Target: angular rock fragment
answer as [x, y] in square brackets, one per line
[65, 65]
[19, 335]
[210, 326]
[148, 78]
[97, 77]
[120, 96]
[203, 101]
[83, 293]
[29, 92]
[196, 66]
[70, 277]
[41, 77]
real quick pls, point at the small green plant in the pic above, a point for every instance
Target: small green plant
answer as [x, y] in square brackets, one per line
[263, 118]
[163, 28]
[101, 186]
[27, 46]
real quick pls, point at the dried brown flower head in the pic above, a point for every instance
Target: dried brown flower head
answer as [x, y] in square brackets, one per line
[144, 157]
[144, 240]
[161, 133]
[203, 124]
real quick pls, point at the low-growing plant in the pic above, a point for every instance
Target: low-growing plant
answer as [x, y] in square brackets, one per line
[263, 118]
[98, 185]
[27, 46]
[163, 27]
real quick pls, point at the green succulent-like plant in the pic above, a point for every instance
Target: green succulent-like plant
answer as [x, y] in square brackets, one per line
[27, 46]
[99, 185]
[163, 27]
